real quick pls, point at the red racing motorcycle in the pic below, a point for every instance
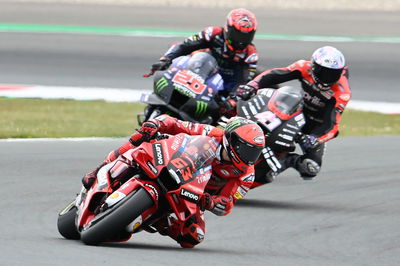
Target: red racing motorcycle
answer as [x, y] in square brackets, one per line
[165, 176]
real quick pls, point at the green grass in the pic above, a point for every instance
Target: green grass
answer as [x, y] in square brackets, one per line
[35, 118]
[357, 123]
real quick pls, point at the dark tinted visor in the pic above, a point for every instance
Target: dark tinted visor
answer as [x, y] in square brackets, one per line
[239, 39]
[246, 152]
[202, 64]
[326, 75]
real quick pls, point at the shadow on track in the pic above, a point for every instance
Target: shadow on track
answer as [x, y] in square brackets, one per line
[295, 206]
[177, 248]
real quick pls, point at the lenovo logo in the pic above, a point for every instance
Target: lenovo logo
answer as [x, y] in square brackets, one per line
[190, 196]
[159, 157]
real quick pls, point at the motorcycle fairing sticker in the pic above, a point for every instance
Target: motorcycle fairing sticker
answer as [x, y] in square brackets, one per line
[189, 195]
[189, 81]
[158, 154]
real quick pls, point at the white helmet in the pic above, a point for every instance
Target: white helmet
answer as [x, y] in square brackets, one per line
[327, 66]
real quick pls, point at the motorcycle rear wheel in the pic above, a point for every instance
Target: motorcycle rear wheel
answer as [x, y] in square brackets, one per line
[66, 222]
[114, 220]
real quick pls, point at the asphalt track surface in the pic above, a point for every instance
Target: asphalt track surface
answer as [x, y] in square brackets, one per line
[350, 215]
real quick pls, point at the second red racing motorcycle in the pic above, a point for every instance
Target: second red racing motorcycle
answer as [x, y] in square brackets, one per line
[165, 176]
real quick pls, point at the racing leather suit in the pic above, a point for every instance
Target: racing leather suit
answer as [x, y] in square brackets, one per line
[322, 108]
[235, 67]
[226, 181]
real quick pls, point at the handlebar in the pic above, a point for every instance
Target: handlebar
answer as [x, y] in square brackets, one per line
[151, 73]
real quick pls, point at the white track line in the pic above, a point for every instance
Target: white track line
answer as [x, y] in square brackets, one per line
[131, 95]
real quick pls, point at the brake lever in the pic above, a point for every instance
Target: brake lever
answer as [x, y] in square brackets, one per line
[151, 73]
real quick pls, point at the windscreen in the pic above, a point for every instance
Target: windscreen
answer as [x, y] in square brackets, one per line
[287, 100]
[203, 64]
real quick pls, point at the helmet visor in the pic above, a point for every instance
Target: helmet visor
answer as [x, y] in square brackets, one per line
[246, 152]
[239, 39]
[326, 76]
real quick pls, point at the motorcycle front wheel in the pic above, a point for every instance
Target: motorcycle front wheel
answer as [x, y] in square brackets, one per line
[66, 222]
[114, 220]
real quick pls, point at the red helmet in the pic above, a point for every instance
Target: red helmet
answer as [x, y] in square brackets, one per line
[244, 141]
[240, 28]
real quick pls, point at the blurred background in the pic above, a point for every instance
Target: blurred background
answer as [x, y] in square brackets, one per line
[83, 56]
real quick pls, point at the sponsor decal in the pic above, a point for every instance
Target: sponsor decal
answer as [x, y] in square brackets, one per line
[248, 178]
[238, 196]
[175, 145]
[158, 152]
[161, 84]
[259, 139]
[314, 100]
[152, 167]
[345, 97]
[206, 130]
[189, 195]
[203, 178]
[201, 108]
[187, 124]
[224, 172]
[114, 195]
[153, 189]
[240, 193]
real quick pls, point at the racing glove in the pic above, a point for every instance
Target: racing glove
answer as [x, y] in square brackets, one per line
[161, 65]
[227, 106]
[219, 205]
[145, 133]
[245, 91]
[308, 142]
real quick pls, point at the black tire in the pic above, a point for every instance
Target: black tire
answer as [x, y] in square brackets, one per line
[66, 222]
[114, 220]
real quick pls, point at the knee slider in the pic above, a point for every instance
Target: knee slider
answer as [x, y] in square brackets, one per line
[308, 168]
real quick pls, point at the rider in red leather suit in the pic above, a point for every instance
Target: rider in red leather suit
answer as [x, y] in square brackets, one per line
[233, 170]
[324, 80]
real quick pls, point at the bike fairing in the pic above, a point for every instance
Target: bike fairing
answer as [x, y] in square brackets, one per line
[228, 182]
[189, 89]
[187, 159]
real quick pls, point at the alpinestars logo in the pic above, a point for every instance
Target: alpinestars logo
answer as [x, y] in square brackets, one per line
[189, 195]
[159, 157]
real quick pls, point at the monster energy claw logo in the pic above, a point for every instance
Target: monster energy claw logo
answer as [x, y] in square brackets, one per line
[201, 108]
[234, 124]
[161, 84]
